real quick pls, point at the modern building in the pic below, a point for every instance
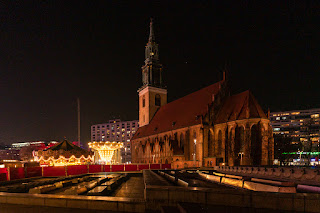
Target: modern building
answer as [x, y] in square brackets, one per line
[35, 144]
[116, 130]
[301, 125]
[9, 154]
[205, 128]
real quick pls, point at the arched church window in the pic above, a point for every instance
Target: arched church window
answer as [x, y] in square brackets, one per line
[210, 143]
[143, 101]
[158, 100]
[219, 142]
[181, 141]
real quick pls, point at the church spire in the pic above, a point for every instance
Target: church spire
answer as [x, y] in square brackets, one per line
[152, 69]
[151, 34]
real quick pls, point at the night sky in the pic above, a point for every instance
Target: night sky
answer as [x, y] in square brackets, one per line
[52, 52]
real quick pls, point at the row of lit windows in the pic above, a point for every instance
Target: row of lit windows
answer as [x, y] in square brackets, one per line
[123, 130]
[117, 125]
[278, 118]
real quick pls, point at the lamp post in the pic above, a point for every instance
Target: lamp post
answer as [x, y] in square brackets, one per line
[240, 153]
[194, 152]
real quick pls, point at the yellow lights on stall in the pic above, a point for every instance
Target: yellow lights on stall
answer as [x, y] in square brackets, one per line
[105, 149]
[63, 161]
[295, 113]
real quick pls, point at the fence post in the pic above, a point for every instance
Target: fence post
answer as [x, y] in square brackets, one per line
[66, 170]
[88, 169]
[137, 167]
[41, 171]
[160, 165]
[124, 167]
[149, 165]
[25, 172]
[8, 170]
[110, 167]
[102, 168]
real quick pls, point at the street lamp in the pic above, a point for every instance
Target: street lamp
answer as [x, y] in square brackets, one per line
[240, 153]
[194, 152]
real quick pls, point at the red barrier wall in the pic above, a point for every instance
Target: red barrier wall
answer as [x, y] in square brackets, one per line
[95, 168]
[143, 166]
[33, 171]
[154, 166]
[117, 168]
[77, 170]
[16, 173]
[3, 174]
[166, 166]
[106, 168]
[54, 171]
[19, 173]
[130, 167]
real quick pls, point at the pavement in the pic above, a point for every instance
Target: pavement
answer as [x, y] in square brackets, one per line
[132, 188]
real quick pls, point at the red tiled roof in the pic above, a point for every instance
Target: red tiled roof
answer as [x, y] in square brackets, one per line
[239, 106]
[180, 113]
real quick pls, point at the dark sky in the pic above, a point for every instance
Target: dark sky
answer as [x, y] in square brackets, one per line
[52, 52]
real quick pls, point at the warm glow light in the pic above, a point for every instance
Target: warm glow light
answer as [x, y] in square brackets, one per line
[62, 161]
[105, 149]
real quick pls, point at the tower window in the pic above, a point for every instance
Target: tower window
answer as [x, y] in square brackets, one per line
[143, 102]
[158, 100]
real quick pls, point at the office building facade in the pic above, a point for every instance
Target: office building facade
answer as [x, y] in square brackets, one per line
[301, 125]
[116, 130]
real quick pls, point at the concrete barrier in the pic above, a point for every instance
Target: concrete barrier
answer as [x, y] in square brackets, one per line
[214, 178]
[42, 189]
[304, 176]
[273, 182]
[59, 185]
[232, 182]
[234, 176]
[76, 190]
[69, 203]
[305, 188]
[98, 191]
[259, 187]
[182, 183]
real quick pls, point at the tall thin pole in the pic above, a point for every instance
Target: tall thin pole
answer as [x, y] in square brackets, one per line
[78, 101]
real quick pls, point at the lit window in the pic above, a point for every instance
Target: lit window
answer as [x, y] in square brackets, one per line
[276, 129]
[277, 118]
[284, 118]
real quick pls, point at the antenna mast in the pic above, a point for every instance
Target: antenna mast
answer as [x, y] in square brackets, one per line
[78, 102]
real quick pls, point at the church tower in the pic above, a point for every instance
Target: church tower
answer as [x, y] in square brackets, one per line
[152, 93]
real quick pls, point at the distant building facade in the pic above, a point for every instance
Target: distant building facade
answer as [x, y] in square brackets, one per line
[205, 128]
[116, 130]
[301, 125]
[9, 154]
[35, 144]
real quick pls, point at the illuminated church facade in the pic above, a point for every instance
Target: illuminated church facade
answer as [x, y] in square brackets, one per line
[206, 128]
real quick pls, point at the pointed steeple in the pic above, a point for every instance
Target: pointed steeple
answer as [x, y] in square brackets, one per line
[151, 34]
[152, 70]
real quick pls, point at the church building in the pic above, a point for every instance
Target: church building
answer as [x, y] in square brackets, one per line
[208, 127]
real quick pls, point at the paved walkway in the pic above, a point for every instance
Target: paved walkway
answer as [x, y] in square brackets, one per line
[151, 178]
[132, 188]
[14, 208]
